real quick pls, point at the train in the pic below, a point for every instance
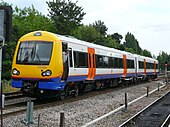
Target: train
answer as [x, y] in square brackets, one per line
[46, 63]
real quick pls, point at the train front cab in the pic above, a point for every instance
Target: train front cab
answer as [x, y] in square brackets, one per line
[38, 63]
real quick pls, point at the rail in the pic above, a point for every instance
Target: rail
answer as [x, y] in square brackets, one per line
[120, 108]
[152, 113]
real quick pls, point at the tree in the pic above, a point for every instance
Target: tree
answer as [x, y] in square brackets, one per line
[2, 3]
[147, 53]
[131, 42]
[130, 50]
[100, 27]
[90, 34]
[87, 33]
[121, 47]
[117, 37]
[110, 42]
[67, 16]
[27, 20]
[162, 57]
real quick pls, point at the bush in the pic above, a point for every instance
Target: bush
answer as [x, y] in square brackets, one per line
[6, 69]
[6, 86]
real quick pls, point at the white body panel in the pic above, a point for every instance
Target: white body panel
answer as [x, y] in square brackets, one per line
[82, 46]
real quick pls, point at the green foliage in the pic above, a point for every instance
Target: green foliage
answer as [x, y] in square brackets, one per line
[27, 20]
[131, 42]
[9, 50]
[8, 53]
[6, 86]
[2, 3]
[146, 53]
[162, 57]
[87, 33]
[90, 34]
[100, 27]
[67, 16]
[117, 37]
[121, 47]
[6, 69]
[129, 50]
[110, 42]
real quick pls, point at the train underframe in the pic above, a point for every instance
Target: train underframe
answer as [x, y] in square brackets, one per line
[75, 88]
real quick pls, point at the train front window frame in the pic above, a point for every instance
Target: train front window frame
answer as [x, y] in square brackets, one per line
[34, 53]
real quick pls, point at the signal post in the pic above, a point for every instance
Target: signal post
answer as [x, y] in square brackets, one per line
[166, 71]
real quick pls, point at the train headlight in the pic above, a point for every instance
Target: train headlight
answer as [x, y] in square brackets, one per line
[15, 72]
[46, 73]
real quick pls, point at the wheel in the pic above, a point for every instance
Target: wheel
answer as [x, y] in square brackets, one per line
[135, 81]
[76, 91]
[113, 83]
[61, 95]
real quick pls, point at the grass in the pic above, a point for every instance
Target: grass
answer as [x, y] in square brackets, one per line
[7, 87]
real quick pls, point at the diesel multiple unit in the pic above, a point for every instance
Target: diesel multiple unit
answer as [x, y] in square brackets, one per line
[45, 62]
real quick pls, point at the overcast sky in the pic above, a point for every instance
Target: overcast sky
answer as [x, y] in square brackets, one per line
[147, 20]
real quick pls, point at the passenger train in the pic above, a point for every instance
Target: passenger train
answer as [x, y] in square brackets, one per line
[50, 64]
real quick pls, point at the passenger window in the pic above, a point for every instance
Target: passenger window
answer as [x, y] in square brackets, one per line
[111, 62]
[99, 61]
[116, 62]
[120, 63]
[106, 61]
[80, 59]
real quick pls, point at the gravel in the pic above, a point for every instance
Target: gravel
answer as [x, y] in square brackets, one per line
[81, 112]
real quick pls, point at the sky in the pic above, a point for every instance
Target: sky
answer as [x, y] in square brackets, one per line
[147, 20]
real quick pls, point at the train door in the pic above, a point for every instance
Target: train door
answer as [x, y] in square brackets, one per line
[124, 65]
[65, 56]
[136, 66]
[144, 66]
[91, 64]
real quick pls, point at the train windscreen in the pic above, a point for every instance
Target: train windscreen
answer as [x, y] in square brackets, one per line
[34, 53]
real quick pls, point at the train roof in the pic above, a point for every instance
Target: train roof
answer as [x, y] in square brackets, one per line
[71, 39]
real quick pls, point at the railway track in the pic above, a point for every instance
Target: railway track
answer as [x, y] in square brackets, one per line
[20, 107]
[156, 114]
[17, 106]
[13, 95]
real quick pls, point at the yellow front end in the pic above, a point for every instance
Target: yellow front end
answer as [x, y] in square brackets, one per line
[29, 64]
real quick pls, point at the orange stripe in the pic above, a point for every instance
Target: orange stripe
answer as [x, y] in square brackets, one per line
[16, 77]
[94, 64]
[125, 65]
[144, 66]
[89, 64]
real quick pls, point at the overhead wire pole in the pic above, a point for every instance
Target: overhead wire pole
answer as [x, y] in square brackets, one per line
[1, 47]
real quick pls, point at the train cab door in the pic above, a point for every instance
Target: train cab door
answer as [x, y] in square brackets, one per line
[65, 56]
[91, 64]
